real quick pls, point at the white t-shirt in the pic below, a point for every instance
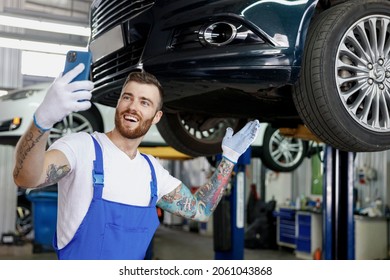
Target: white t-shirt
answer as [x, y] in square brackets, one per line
[125, 180]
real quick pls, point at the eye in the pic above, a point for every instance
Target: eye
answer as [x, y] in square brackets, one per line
[125, 97]
[145, 103]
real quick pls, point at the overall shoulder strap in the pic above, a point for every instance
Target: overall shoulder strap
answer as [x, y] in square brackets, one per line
[97, 172]
[153, 183]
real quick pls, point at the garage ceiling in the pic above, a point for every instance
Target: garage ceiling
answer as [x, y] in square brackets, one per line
[74, 8]
[14, 39]
[59, 11]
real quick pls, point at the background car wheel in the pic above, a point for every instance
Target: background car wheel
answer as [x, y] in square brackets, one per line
[196, 135]
[281, 153]
[87, 121]
[24, 223]
[342, 95]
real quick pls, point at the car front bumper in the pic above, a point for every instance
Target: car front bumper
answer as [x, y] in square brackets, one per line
[162, 37]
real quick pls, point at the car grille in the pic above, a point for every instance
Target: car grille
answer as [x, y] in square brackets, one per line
[113, 12]
[115, 64]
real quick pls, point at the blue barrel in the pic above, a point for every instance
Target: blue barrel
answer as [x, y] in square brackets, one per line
[44, 210]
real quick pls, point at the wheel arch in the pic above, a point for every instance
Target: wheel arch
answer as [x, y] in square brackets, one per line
[313, 9]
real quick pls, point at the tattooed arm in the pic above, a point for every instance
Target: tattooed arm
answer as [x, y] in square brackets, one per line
[199, 206]
[34, 167]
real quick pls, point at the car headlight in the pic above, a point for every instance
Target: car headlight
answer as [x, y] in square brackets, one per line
[10, 125]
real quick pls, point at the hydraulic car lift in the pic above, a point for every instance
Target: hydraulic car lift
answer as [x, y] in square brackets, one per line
[338, 223]
[229, 217]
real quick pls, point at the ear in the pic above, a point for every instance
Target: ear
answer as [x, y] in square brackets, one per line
[157, 117]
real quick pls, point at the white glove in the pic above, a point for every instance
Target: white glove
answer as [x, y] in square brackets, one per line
[62, 98]
[233, 146]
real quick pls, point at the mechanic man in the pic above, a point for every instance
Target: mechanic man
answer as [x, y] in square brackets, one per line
[107, 190]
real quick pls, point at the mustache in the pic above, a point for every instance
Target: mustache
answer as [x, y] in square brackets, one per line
[131, 112]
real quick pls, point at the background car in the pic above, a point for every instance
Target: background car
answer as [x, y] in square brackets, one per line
[18, 106]
[313, 63]
[279, 152]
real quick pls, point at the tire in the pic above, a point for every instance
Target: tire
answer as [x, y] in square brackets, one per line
[342, 93]
[280, 153]
[24, 223]
[87, 121]
[196, 135]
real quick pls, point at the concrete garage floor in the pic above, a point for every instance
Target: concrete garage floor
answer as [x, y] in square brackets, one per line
[172, 243]
[169, 243]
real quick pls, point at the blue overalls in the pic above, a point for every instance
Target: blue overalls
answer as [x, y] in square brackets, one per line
[112, 230]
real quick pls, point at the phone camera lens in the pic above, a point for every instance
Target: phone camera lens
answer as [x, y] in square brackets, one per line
[72, 56]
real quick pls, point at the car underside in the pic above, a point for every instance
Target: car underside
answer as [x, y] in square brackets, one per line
[321, 64]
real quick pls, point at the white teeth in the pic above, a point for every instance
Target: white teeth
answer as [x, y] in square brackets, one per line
[130, 118]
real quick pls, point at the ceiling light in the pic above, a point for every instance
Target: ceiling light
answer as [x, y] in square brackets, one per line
[37, 46]
[44, 25]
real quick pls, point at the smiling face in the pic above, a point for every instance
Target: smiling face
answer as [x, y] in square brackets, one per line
[137, 109]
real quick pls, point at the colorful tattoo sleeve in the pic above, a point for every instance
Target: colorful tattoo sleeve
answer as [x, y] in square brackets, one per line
[199, 206]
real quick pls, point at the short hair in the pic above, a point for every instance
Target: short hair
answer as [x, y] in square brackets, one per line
[148, 79]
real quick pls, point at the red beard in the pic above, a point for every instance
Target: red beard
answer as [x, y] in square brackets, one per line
[138, 132]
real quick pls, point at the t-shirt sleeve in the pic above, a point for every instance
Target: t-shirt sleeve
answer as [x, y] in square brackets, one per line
[72, 145]
[165, 181]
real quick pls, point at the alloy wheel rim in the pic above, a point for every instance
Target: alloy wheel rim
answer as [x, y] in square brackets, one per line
[70, 124]
[286, 151]
[208, 130]
[363, 72]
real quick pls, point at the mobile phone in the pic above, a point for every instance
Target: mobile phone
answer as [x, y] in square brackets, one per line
[73, 58]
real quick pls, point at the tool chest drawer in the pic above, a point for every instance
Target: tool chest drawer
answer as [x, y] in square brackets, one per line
[286, 227]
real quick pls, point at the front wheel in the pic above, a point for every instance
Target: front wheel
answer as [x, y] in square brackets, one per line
[195, 134]
[343, 92]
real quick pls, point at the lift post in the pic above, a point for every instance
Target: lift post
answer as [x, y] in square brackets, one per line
[338, 222]
[229, 217]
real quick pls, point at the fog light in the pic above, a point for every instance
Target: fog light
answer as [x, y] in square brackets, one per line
[218, 34]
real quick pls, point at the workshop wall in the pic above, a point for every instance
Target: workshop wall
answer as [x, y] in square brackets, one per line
[371, 179]
[10, 76]
[301, 180]
[195, 172]
[8, 190]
